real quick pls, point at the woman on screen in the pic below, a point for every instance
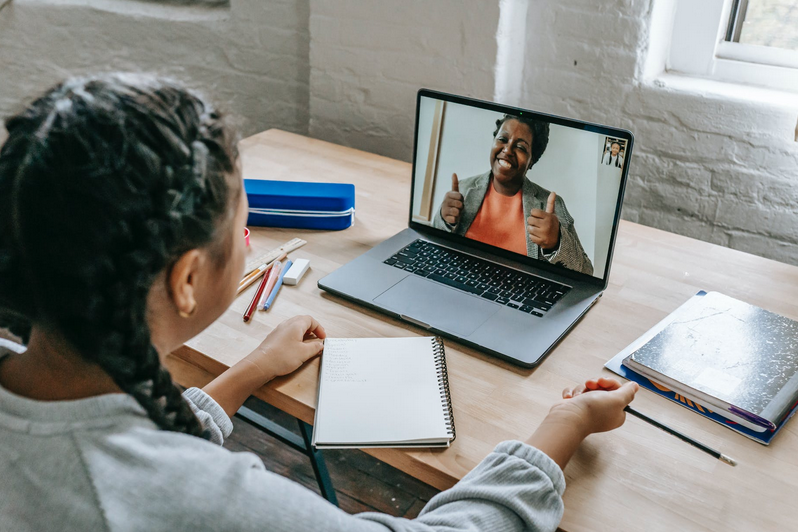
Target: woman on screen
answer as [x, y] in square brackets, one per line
[505, 209]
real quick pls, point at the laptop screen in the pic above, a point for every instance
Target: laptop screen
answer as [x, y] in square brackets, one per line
[537, 186]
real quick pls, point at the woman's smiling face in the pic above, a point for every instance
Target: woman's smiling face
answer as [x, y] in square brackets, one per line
[510, 155]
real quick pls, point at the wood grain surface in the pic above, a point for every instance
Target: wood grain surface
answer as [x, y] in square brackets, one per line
[633, 478]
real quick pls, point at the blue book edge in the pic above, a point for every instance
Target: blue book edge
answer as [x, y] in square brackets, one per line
[615, 364]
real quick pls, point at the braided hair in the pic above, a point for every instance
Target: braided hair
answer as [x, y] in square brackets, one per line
[540, 134]
[105, 182]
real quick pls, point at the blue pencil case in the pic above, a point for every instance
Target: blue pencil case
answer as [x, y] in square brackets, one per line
[329, 206]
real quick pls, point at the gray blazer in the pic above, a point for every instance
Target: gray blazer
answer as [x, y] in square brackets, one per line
[570, 253]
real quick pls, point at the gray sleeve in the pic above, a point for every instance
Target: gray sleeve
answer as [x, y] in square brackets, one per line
[516, 487]
[570, 253]
[212, 417]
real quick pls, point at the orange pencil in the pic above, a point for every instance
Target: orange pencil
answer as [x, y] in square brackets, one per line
[249, 279]
[255, 275]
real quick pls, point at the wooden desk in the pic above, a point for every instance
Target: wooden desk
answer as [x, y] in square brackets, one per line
[634, 478]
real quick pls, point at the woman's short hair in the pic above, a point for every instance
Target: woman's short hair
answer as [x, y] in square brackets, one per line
[540, 134]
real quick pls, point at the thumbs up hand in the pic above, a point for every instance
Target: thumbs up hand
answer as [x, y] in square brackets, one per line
[544, 226]
[452, 204]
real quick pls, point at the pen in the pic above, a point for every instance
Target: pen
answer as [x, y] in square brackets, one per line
[273, 276]
[277, 286]
[673, 432]
[753, 418]
[255, 299]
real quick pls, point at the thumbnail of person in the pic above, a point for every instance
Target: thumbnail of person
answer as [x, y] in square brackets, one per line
[613, 157]
[505, 209]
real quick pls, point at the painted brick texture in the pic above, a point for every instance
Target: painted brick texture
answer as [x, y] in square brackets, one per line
[718, 168]
[250, 56]
[368, 59]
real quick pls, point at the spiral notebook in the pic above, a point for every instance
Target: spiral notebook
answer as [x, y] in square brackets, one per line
[383, 392]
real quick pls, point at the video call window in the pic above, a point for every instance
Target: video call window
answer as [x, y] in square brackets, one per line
[613, 152]
[537, 189]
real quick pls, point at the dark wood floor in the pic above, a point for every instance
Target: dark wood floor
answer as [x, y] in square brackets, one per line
[362, 483]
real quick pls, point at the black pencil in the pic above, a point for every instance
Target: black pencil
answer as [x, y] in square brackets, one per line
[709, 450]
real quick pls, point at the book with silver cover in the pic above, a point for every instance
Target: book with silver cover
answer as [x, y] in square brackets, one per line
[727, 354]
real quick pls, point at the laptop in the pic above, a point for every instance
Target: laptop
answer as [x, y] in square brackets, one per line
[511, 230]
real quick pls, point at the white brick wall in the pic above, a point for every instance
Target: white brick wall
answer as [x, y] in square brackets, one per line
[368, 59]
[719, 168]
[710, 162]
[251, 56]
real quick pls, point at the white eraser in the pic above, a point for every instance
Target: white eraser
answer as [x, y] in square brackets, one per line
[296, 271]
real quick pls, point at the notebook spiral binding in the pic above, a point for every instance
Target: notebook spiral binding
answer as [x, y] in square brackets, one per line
[443, 383]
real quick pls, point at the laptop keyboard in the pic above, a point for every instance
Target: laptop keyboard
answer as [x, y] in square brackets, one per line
[505, 286]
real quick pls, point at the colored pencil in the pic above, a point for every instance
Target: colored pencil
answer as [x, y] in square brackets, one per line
[255, 299]
[277, 286]
[273, 276]
[252, 277]
[255, 275]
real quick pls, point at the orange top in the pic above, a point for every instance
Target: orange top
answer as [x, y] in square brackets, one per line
[500, 221]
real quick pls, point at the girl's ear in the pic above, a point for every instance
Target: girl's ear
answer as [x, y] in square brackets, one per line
[183, 282]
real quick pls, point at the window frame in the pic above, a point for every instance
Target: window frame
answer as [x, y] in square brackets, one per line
[700, 47]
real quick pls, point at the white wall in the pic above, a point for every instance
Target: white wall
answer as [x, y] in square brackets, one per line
[711, 161]
[569, 167]
[608, 181]
[250, 56]
[368, 59]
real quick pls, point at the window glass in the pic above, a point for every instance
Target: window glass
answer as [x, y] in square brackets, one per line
[771, 23]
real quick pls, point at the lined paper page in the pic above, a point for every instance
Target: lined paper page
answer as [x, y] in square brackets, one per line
[379, 390]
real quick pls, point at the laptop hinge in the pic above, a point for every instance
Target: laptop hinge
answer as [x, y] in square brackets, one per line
[415, 322]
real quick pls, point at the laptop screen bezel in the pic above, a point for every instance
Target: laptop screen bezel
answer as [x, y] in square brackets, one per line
[553, 119]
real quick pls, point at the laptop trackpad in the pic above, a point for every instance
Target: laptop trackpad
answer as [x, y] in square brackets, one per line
[439, 306]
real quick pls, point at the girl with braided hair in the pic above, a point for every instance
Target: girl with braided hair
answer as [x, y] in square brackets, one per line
[121, 212]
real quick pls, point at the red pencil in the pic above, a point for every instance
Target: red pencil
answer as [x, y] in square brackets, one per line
[255, 298]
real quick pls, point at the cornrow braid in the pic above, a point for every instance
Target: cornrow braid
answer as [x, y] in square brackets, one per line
[105, 182]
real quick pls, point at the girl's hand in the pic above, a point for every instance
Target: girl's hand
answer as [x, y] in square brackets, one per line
[597, 412]
[580, 414]
[288, 346]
